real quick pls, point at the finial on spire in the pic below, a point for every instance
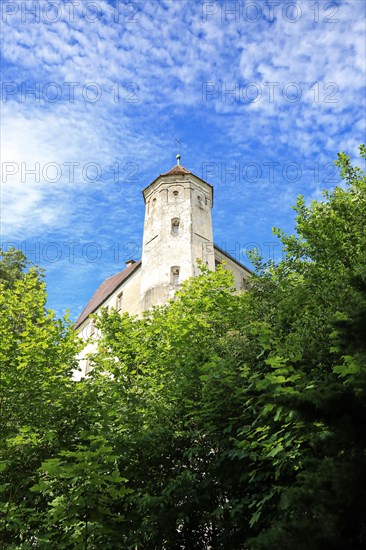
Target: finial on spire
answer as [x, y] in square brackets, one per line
[178, 155]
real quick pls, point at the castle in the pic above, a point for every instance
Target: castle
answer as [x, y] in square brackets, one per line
[177, 232]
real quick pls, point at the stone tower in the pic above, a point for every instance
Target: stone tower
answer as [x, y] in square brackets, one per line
[177, 231]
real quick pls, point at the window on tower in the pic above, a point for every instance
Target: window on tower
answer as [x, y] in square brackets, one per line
[175, 276]
[175, 225]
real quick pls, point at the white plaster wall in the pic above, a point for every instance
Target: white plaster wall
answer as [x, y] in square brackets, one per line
[131, 295]
[130, 304]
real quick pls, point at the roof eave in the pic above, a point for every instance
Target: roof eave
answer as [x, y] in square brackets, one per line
[174, 176]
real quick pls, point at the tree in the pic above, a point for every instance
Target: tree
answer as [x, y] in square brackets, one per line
[309, 437]
[169, 415]
[12, 267]
[36, 361]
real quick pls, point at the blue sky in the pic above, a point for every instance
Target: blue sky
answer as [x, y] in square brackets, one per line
[261, 95]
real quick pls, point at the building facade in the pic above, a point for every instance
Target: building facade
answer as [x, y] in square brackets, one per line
[177, 232]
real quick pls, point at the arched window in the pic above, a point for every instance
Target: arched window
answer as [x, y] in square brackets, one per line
[154, 202]
[175, 275]
[175, 194]
[175, 226]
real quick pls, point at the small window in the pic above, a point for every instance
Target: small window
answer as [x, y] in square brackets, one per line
[175, 194]
[175, 276]
[92, 327]
[153, 202]
[175, 225]
[244, 285]
[119, 301]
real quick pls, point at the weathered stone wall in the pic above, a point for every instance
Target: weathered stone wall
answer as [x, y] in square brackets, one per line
[188, 200]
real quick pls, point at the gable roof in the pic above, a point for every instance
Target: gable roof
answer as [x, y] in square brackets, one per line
[105, 290]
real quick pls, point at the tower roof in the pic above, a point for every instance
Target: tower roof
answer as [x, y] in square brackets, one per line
[177, 170]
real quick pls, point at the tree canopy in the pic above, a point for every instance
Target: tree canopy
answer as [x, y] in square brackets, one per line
[220, 420]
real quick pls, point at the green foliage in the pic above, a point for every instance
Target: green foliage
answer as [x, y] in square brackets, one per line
[221, 420]
[84, 492]
[171, 379]
[37, 357]
[12, 266]
[318, 336]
